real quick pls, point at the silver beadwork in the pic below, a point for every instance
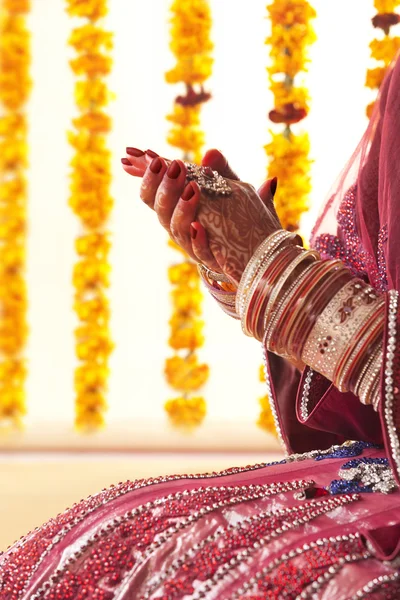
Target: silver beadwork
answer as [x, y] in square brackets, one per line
[209, 181]
[379, 477]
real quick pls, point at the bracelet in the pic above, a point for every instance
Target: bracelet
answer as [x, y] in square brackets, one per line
[212, 275]
[254, 316]
[344, 314]
[281, 306]
[371, 375]
[265, 263]
[265, 249]
[316, 276]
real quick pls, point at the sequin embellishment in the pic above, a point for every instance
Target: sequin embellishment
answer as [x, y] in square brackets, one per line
[364, 475]
[349, 249]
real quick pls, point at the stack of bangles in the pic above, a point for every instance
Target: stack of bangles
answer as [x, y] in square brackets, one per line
[310, 311]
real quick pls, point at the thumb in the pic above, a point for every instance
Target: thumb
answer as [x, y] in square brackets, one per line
[217, 161]
[267, 193]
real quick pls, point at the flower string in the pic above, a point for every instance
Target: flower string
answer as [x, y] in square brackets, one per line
[288, 152]
[191, 45]
[383, 50]
[15, 87]
[91, 201]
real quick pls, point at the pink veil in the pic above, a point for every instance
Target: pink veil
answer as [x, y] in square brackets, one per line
[360, 222]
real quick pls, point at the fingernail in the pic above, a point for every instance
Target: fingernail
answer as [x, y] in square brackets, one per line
[174, 170]
[188, 192]
[126, 162]
[134, 152]
[193, 231]
[156, 165]
[273, 186]
[152, 154]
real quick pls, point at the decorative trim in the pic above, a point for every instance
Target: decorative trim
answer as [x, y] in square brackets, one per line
[306, 395]
[374, 585]
[390, 393]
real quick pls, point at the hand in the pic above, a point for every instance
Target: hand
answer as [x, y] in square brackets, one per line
[177, 209]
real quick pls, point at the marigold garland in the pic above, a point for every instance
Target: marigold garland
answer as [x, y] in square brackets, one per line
[15, 86]
[288, 152]
[91, 201]
[385, 49]
[191, 46]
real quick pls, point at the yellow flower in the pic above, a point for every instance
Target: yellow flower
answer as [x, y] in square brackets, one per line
[92, 65]
[95, 310]
[261, 373]
[90, 274]
[91, 9]
[189, 337]
[90, 38]
[95, 122]
[291, 12]
[288, 94]
[386, 6]
[375, 77]
[16, 6]
[266, 419]
[88, 419]
[185, 273]
[188, 412]
[91, 377]
[187, 300]
[93, 343]
[93, 244]
[385, 49]
[92, 92]
[185, 116]
[369, 110]
[185, 374]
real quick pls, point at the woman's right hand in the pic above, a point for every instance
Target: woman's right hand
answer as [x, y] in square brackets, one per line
[177, 213]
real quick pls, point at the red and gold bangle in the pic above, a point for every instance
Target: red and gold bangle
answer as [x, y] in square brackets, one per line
[267, 248]
[363, 360]
[362, 329]
[335, 328]
[281, 306]
[304, 324]
[366, 383]
[267, 285]
[296, 300]
[316, 278]
[267, 263]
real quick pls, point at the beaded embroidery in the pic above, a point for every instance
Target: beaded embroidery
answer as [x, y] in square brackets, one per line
[364, 475]
[349, 249]
[293, 570]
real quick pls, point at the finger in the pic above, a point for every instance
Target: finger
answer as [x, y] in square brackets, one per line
[267, 192]
[135, 160]
[152, 178]
[130, 168]
[216, 160]
[149, 155]
[183, 215]
[201, 248]
[169, 192]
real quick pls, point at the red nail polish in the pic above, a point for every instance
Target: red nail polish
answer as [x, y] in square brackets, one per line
[174, 170]
[134, 152]
[273, 186]
[188, 192]
[126, 162]
[152, 154]
[156, 165]
[193, 231]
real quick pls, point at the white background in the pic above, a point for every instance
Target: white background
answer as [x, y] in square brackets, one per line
[236, 122]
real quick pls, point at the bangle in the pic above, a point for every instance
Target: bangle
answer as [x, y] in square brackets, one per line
[213, 275]
[343, 315]
[371, 374]
[281, 306]
[254, 316]
[265, 263]
[315, 276]
[265, 249]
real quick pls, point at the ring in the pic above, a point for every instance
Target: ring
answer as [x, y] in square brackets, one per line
[208, 180]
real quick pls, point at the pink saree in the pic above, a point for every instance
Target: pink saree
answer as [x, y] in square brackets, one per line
[323, 524]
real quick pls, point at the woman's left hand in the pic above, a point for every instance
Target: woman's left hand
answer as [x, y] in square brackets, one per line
[224, 231]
